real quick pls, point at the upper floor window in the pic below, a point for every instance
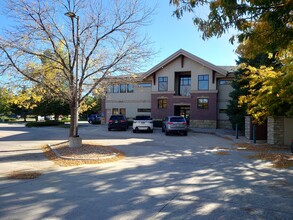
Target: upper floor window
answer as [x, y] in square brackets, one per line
[163, 83]
[110, 89]
[203, 82]
[185, 83]
[115, 88]
[129, 88]
[123, 88]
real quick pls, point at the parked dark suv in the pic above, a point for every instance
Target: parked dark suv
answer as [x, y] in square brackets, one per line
[117, 122]
[94, 119]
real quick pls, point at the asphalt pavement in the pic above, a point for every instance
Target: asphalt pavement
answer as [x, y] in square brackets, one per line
[162, 177]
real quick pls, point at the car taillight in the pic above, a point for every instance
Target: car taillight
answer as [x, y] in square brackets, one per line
[170, 123]
[110, 121]
[184, 123]
[122, 121]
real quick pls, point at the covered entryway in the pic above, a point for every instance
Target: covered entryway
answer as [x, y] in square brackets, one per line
[182, 110]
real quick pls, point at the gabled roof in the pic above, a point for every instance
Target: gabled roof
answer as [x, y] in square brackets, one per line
[182, 52]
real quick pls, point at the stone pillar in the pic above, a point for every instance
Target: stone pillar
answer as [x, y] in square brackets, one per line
[276, 130]
[248, 127]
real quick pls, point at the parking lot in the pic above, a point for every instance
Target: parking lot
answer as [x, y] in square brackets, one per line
[162, 177]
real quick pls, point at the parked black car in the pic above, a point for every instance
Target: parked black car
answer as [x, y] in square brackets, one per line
[94, 119]
[118, 122]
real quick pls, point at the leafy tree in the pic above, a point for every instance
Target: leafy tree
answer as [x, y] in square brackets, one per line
[5, 105]
[235, 110]
[52, 106]
[26, 99]
[268, 22]
[264, 98]
[82, 51]
[91, 105]
[265, 27]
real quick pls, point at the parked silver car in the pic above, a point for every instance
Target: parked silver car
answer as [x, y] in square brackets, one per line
[174, 124]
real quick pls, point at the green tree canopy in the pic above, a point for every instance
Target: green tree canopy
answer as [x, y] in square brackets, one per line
[5, 105]
[267, 21]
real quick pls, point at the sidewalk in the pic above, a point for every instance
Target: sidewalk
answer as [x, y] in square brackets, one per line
[224, 133]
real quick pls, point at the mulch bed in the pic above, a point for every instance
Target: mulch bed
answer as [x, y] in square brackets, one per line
[88, 153]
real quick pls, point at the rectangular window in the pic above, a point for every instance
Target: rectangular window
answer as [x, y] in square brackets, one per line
[143, 110]
[162, 103]
[122, 111]
[222, 110]
[203, 82]
[115, 111]
[129, 88]
[163, 83]
[224, 82]
[110, 89]
[123, 88]
[115, 88]
[203, 103]
[185, 83]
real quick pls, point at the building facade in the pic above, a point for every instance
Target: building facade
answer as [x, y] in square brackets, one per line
[182, 84]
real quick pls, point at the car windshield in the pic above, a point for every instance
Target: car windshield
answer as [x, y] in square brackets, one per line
[177, 119]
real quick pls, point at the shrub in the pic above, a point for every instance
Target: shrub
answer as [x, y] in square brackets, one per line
[44, 123]
[7, 119]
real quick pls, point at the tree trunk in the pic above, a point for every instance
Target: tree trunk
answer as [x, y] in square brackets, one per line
[74, 139]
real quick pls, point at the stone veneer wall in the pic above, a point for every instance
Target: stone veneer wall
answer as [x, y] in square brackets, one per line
[275, 130]
[225, 124]
[203, 123]
[247, 127]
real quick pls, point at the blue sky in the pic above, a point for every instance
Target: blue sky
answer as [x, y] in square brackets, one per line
[170, 34]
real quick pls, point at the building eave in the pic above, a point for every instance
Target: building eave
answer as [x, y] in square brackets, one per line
[182, 52]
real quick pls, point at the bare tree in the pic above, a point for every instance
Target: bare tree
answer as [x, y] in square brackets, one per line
[82, 41]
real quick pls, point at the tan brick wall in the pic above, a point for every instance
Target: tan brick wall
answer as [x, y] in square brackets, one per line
[275, 130]
[247, 127]
[226, 124]
[203, 123]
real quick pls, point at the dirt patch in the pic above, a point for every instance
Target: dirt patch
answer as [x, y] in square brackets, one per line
[88, 153]
[278, 155]
[24, 175]
[264, 147]
[278, 160]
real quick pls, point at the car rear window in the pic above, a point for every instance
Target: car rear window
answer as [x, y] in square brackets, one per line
[177, 119]
[117, 118]
[143, 118]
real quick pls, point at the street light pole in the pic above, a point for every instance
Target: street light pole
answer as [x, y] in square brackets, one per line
[72, 15]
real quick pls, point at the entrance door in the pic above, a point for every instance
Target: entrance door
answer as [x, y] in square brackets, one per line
[182, 110]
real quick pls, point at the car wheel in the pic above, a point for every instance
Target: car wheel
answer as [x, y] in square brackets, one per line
[166, 133]
[90, 121]
[151, 131]
[109, 129]
[185, 133]
[134, 131]
[163, 130]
